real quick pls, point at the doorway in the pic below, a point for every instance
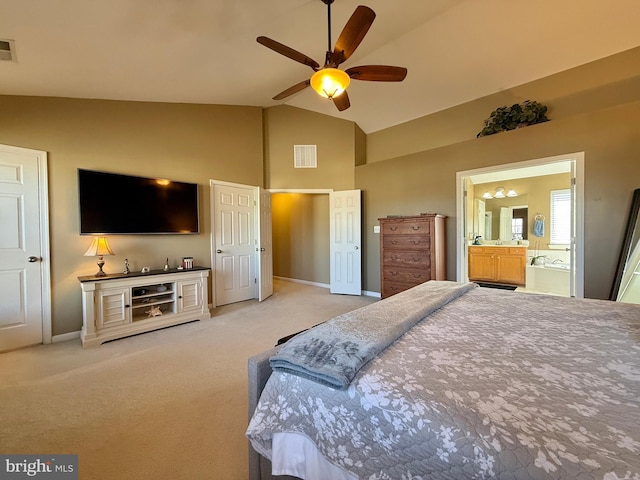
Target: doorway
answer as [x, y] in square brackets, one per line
[506, 176]
[317, 238]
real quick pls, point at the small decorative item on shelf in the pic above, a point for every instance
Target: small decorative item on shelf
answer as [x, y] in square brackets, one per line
[187, 262]
[154, 312]
[166, 265]
[161, 288]
[145, 270]
[126, 266]
[506, 118]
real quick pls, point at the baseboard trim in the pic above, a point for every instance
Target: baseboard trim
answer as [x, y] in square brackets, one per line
[366, 293]
[65, 337]
[303, 282]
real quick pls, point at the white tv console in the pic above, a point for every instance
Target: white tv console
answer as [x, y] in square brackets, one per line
[118, 305]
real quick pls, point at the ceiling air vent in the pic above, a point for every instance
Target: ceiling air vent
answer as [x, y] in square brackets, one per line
[7, 50]
[305, 156]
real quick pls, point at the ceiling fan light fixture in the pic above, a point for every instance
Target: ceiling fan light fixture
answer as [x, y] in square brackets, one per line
[330, 82]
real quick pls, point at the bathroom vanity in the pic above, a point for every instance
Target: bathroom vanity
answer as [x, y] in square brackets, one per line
[504, 264]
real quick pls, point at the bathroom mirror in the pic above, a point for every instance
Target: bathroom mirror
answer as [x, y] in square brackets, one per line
[626, 284]
[492, 218]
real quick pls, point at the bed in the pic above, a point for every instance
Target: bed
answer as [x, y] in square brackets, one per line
[465, 382]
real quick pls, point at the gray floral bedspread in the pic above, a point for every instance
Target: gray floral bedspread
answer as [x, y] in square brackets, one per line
[332, 353]
[493, 385]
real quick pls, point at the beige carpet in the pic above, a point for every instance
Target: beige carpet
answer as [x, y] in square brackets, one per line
[169, 404]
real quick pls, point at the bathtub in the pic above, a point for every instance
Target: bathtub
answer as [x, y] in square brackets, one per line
[558, 266]
[551, 278]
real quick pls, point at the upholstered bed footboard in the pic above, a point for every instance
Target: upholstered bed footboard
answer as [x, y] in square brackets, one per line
[259, 372]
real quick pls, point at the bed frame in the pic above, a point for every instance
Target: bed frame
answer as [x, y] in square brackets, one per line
[259, 372]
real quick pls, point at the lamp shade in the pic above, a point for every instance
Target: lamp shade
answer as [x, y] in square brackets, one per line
[330, 82]
[99, 246]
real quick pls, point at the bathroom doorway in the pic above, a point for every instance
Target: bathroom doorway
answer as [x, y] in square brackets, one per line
[558, 263]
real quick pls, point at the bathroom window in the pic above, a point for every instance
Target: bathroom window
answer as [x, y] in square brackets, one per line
[517, 227]
[560, 223]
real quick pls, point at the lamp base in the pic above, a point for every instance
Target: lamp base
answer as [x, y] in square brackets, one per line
[100, 265]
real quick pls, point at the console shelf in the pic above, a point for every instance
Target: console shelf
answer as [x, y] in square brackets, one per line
[120, 305]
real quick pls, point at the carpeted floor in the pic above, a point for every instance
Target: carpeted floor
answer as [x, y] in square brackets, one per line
[169, 404]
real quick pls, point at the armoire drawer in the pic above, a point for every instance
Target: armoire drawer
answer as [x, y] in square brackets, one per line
[405, 275]
[406, 228]
[406, 242]
[405, 259]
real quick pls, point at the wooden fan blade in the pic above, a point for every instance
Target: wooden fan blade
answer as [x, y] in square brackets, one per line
[342, 101]
[288, 52]
[353, 33]
[298, 87]
[377, 73]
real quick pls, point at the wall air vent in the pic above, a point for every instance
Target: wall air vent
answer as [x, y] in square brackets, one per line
[305, 156]
[7, 50]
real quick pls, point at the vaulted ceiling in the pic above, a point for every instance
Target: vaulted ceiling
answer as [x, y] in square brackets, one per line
[205, 51]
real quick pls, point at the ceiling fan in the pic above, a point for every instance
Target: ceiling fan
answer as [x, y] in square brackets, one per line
[328, 80]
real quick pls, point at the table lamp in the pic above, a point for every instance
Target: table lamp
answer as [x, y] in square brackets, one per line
[99, 247]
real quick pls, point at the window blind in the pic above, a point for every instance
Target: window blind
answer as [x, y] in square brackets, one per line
[560, 222]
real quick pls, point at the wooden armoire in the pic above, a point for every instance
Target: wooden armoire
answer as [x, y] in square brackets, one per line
[412, 251]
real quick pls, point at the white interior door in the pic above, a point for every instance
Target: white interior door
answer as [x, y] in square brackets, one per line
[264, 246]
[345, 231]
[24, 249]
[234, 243]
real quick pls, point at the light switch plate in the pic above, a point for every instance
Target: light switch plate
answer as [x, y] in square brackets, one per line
[376, 229]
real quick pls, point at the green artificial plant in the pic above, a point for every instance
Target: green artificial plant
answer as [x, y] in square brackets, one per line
[518, 115]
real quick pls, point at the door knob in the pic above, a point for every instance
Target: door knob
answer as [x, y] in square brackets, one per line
[262, 249]
[356, 247]
[33, 259]
[218, 251]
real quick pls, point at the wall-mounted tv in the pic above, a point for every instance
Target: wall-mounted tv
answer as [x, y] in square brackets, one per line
[112, 203]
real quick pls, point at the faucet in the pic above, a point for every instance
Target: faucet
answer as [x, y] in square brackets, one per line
[477, 240]
[498, 242]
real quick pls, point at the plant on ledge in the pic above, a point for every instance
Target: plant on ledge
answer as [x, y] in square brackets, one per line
[519, 115]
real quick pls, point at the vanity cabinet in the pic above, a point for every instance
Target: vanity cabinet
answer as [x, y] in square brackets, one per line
[412, 251]
[119, 305]
[495, 264]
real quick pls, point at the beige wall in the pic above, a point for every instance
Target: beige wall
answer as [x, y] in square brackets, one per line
[594, 108]
[338, 147]
[607, 82]
[190, 143]
[426, 182]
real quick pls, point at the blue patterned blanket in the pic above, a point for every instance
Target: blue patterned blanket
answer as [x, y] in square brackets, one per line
[332, 353]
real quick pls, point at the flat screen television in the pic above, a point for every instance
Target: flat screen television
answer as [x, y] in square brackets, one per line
[118, 204]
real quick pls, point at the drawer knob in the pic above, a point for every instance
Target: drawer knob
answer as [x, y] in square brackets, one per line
[415, 227]
[393, 229]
